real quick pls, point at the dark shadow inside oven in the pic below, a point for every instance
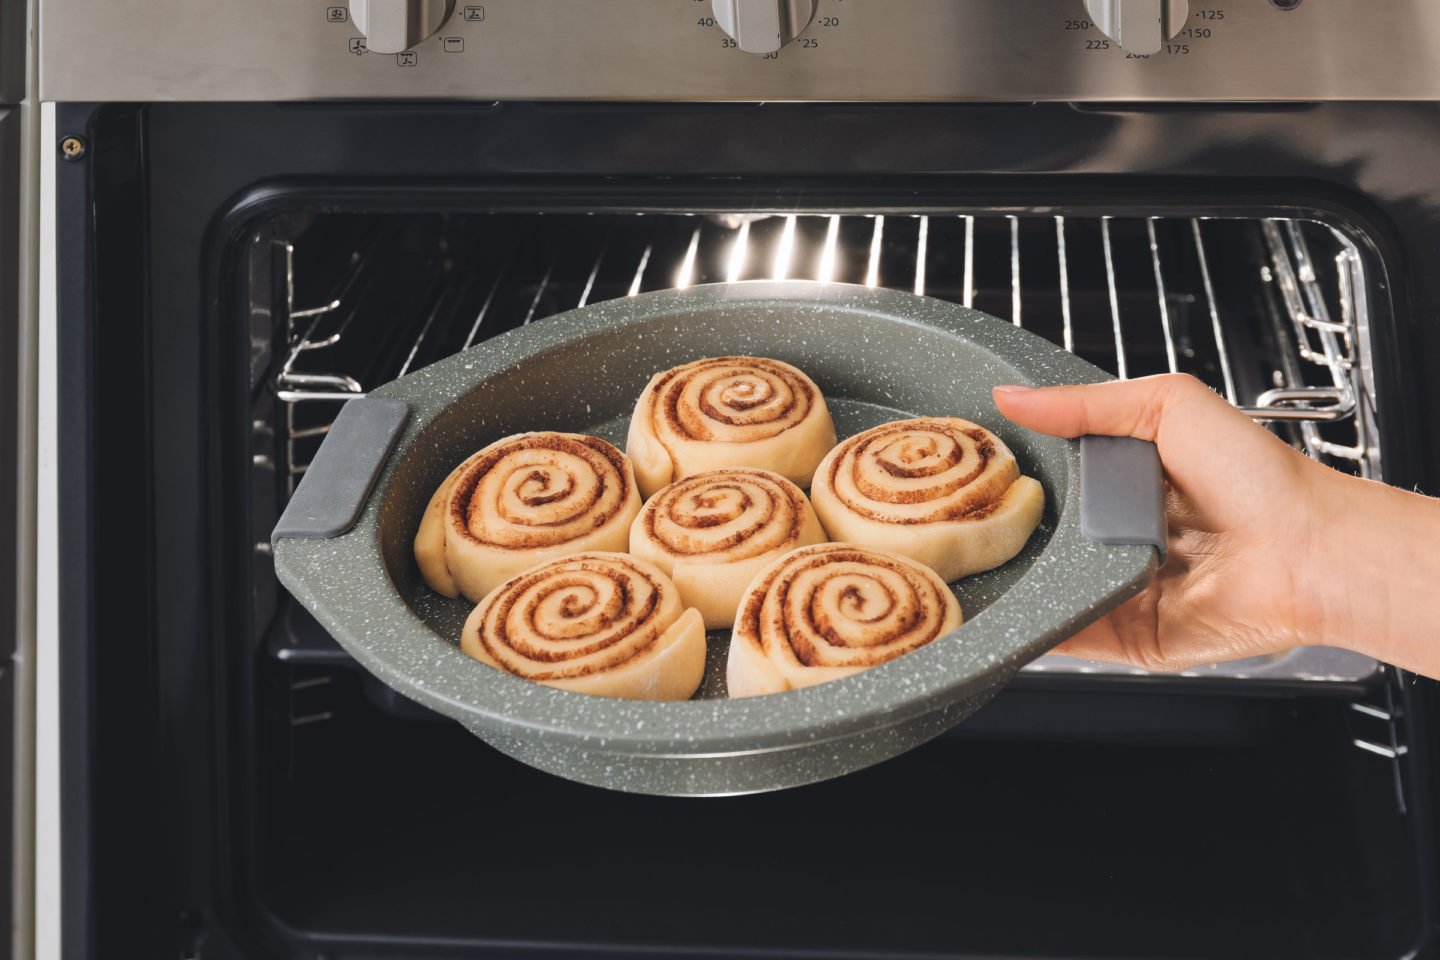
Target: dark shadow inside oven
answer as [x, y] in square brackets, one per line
[1077, 815]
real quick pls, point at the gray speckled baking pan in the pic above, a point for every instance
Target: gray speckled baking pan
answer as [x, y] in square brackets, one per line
[343, 547]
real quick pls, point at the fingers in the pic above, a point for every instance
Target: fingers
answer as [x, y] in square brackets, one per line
[1120, 408]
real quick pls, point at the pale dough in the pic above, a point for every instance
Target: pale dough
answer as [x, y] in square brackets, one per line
[830, 611]
[522, 500]
[605, 624]
[940, 490]
[728, 412]
[714, 531]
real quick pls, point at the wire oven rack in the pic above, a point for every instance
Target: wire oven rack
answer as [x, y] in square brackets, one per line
[1272, 313]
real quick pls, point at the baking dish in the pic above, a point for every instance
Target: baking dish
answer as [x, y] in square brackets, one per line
[343, 545]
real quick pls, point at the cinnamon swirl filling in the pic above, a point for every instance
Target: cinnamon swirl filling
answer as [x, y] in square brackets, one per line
[940, 490]
[714, 531]
[519, 501]
[599, 623]
[729, 412]
[829, 611]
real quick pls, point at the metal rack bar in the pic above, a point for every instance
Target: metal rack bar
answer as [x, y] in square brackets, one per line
[830, 252]
[1068, 330]
[640, 270]
[485, 307]
[784, 250]
[1216, 327]
[877, 240]
[738, 253]
[969, 292]
[686, 274]
[1121, 368]
[545, 283]
[440, 301]
[1171, 358]
[922, 253]
[595, 270]
[1015, 270]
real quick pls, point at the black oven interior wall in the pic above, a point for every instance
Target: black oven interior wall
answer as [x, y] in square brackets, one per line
[285, 803]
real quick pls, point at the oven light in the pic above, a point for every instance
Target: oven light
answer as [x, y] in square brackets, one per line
[872, 276]
[827, 256]
[686, 276]
[786, 250]
[739, 252]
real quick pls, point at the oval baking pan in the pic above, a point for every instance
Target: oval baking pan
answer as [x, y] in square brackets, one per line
[343, 545]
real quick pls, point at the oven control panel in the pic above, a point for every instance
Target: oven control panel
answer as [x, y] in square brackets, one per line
[1022, 50]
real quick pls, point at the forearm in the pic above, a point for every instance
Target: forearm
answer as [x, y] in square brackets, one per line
[1377, 580]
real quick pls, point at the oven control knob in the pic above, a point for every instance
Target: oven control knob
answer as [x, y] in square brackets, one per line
[763, 26]
[391, 26]
[1140, 26]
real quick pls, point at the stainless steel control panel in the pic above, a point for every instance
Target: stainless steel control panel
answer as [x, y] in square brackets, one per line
[681, 50]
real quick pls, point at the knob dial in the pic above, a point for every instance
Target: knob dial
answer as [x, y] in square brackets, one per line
[764, 26]
[1140, 26]
[391, 26]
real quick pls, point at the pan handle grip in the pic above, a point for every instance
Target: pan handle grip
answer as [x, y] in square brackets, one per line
[1122, 492]
[338, 481]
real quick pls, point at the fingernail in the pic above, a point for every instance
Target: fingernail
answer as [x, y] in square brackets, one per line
[1013, 388]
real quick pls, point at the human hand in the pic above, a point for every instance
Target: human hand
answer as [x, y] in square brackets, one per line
[1268, 549]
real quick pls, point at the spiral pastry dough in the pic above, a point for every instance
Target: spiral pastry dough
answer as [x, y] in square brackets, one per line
[826, 612]
[940, 490]
[521, 500]
[714, 531]
[599, 623]
[728, 412]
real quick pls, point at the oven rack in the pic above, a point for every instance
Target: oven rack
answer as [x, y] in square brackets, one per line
[1271, 313]
[1318, 390]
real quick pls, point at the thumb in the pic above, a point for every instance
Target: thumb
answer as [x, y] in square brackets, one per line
[1120, 408]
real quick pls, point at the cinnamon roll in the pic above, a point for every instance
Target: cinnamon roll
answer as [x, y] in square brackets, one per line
[940, 490]
[599, 623]
[728, 412]
[825, 612]
[714, 531]
[521, 500]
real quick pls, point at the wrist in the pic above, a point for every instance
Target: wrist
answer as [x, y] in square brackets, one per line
[1375, 571]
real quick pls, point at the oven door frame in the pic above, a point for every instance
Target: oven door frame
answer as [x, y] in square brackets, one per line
[150, 201]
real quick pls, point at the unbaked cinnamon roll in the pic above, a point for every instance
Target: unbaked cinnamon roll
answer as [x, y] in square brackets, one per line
[600, 623]
[940, 490]
[829, 611]
[728, 412]
[714, 531]
[522, 500]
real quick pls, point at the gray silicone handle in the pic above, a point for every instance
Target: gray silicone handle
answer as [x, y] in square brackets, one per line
[1122, 492]
[338, 481]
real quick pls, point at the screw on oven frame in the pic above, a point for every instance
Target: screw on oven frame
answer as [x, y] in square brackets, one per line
[72, 148]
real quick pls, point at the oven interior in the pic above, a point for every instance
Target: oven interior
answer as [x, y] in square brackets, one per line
[1236, 810]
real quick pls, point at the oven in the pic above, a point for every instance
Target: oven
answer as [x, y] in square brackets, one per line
[252, 213]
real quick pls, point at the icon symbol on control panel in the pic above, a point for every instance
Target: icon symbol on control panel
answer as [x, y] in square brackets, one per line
[407, 59]
[357, 45]
[337, 14]
[454, 44]
[475, 13]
